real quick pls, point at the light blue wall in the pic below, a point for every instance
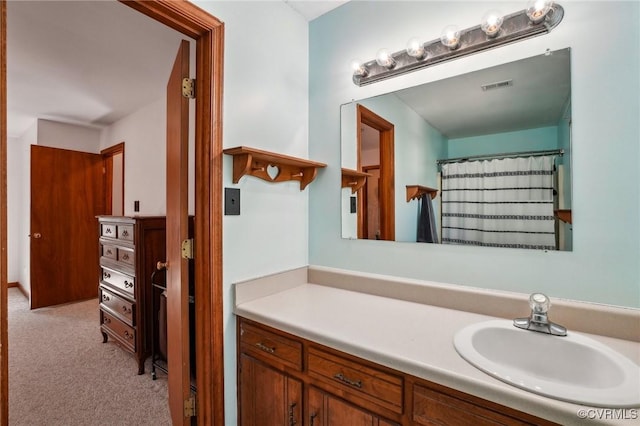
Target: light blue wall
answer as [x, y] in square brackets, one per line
[266, 107]
[603, 266]
[542, 138]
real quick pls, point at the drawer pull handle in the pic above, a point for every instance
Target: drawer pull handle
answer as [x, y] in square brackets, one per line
[125, 233]
[107, 320]
[107, 230]
[105, 298]
[128, 335]
[106, 275]
[126, 310]
[341, 378]
[312, 418]
[292, 420]
[128, 284]
[125, 257]
[266, 348]
[109, 252]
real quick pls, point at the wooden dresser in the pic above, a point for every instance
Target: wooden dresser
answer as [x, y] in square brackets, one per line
[130, 247]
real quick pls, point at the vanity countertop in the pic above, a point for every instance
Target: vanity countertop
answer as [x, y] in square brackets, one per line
[410, 337]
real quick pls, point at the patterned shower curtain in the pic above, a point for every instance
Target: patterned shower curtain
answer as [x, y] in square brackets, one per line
[499, 203]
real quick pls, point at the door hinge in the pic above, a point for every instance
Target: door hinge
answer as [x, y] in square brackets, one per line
[188, 88]
[190, 407]
[187, 249]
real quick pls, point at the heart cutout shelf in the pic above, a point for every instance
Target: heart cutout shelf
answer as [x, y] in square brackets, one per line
[272, 167]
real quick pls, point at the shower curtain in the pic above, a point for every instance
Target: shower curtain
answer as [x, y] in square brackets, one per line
[499, 203]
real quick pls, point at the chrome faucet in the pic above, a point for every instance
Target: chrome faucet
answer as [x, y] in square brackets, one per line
[539, 320]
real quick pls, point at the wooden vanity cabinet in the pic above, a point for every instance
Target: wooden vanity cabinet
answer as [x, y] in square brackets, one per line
[286, 380]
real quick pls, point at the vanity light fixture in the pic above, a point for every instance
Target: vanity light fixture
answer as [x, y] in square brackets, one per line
[539, 18]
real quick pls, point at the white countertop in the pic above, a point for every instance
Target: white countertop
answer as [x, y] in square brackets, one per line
[410, 337]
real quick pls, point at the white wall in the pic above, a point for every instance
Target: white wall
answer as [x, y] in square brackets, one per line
[68, 136]
[265, 107]
[603, 266]
[144, 135]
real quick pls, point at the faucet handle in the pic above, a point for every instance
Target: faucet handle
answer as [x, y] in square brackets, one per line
[539, 303]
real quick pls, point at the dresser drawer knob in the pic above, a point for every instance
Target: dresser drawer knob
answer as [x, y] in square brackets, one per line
[125, 233]
[265, 348]
[109, 252]
[105, 298]
[107, 320]
[128, 335]
[342, 378]
[106, 275]
[128, 284]
[126, 310]
[125, 257]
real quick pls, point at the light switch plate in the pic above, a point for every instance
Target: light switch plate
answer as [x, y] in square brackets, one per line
[232, 201]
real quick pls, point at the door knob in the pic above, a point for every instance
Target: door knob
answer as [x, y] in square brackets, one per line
[37, 235]
[162, 265]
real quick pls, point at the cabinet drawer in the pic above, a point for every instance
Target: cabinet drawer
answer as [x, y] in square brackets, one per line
[270, 346]
[357, 379]
[108, 230]
[120, 307]
[118, 330]
[121, 281]
[126, 256]
[125, 232]
[110, 252]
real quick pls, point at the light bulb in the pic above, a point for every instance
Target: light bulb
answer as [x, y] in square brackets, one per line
[491, 23]
[384, 59]
[537, 10]
[450, 37]
[358, 68]
[415, 49]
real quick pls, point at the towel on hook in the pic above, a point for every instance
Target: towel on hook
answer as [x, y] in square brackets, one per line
[427, 232]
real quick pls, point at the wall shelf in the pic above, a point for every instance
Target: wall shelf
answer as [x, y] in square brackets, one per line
[354, 179]
[417, 191]
[563, 215]
[271, 166]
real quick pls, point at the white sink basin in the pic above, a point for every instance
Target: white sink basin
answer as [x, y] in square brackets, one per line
[573, 368]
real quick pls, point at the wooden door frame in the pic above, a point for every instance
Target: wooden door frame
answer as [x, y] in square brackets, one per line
[107, 159]
[387, 171]
[208, 32]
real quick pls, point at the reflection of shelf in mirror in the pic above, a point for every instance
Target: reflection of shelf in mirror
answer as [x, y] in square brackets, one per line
[271, 166]
[563, 215]
[416, 192]
[354, 179]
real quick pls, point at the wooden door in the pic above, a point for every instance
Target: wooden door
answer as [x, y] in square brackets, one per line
[267, 396]
[178, 231]
[67, 193]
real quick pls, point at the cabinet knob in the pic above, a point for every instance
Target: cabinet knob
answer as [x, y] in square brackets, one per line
[107, 320]
[36, 235]
[105, 298]
[162, 265]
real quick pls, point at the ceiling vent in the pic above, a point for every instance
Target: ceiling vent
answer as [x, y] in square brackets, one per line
[498, 85]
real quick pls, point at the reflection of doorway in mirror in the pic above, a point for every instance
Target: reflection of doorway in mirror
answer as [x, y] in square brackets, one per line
[371, 197]
[376, 210]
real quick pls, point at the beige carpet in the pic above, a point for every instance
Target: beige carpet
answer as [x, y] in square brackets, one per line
[60, 372]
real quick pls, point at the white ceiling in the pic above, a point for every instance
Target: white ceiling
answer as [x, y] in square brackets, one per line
[83, 62]
[91, 62]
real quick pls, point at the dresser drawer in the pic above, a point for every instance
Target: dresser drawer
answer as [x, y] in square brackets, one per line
[125, 232]
[357, 379]
[110, 252]
[270, 346]
[120, 307]
[126, 256]
[108, 230]
[118, 330]
[121, 281]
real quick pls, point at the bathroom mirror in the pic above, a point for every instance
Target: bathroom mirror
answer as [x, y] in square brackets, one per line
[485, 125]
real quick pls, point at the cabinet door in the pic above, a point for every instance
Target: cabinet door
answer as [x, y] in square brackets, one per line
[267, 396]
[327, 410]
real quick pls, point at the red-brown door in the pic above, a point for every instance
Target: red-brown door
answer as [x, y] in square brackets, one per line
[177, 231]
[67, 193]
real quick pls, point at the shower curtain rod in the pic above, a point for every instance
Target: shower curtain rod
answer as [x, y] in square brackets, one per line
[559, 152]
